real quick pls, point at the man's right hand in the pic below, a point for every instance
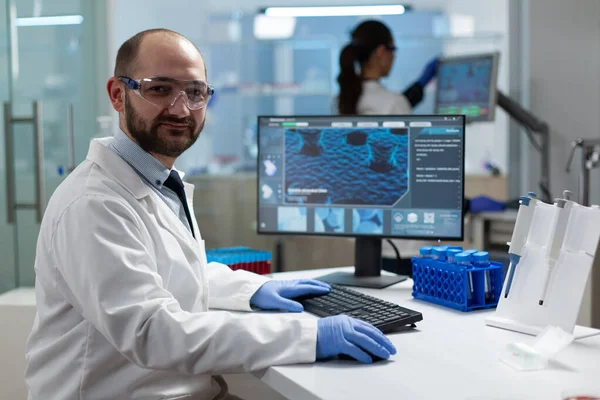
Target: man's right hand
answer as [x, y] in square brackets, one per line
[344, 335]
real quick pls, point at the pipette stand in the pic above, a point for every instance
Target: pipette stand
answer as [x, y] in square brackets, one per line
[521, 310]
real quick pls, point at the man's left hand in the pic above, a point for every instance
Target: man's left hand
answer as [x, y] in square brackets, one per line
[275, 295]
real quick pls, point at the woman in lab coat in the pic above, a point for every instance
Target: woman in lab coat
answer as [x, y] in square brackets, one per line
[372, 50]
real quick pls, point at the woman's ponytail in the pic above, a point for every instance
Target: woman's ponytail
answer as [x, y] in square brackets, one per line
[350, 82]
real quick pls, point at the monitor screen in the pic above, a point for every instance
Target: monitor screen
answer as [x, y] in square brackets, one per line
[467, 85]
[377, 176]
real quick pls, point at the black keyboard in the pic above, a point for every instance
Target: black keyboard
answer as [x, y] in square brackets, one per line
[340, 300]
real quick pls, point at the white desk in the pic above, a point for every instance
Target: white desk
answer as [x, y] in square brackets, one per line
[17, 312]
[451, 355]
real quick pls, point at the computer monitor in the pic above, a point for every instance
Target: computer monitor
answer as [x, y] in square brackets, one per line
[367, 177]
[467, 85]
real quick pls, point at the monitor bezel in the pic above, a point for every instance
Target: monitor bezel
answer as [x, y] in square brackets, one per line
[493, 98]
[351, 235]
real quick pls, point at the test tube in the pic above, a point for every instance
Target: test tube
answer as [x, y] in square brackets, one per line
[439, 253]
[451, 254]
[455, 248]
[426, 251]
[481, 259]
[464, 259]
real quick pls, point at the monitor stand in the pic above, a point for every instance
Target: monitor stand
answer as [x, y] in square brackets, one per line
[367, 268]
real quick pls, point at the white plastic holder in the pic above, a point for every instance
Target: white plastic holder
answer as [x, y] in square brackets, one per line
[524, 357]
[521, 311]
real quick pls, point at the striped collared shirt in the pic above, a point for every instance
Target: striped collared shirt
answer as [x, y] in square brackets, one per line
[152, 171]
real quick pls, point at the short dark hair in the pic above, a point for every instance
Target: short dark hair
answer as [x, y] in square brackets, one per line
[128, 52]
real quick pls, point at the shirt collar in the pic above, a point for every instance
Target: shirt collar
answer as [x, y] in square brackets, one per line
[143, 162]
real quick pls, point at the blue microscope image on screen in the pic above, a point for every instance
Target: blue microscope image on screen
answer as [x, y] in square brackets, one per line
[291, 219]
[329, 220]
[347, 166]
[367, 221]
[466, 82]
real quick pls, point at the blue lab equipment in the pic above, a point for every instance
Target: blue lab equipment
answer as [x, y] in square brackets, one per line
[451, 254]
[458, 285]
[464, 259]
[256, 261]
[439, 253]
[426, 251]
[481, 259]
[519, 236]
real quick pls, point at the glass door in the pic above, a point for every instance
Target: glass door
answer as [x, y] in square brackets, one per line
[41, 66]
[7, 236]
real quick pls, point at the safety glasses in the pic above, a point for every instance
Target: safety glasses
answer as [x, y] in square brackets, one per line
[163, 92]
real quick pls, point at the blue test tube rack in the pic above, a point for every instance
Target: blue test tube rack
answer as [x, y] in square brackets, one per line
[447, 284]
[257, 261]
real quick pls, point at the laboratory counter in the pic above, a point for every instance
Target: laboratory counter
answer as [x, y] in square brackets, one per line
[449, 355]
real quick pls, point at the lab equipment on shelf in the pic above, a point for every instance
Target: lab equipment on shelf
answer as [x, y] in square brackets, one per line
[257, 261]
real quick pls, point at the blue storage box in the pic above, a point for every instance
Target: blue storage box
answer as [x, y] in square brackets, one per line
[447, 284]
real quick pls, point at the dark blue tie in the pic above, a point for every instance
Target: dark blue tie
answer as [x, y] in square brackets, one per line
[174, 183]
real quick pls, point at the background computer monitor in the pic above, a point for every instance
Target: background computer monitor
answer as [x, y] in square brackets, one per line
[368, 177]
[467, 85]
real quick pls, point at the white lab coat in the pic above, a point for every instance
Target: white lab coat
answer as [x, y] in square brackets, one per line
[377, 100]
[123, 292]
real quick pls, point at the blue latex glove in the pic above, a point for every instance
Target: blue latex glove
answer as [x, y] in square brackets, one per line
[484, 203]
[344, 335]
[275, 295]
[429, 72]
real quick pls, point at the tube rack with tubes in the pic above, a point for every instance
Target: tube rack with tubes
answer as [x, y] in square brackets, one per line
[256, 261]
[455, 285]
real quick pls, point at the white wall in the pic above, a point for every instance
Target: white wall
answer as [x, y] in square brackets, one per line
[483, 139]
[565, 89]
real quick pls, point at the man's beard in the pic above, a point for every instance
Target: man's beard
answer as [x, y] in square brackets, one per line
[149, 138]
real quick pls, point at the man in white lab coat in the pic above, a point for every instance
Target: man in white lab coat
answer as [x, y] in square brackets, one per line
[123, 289]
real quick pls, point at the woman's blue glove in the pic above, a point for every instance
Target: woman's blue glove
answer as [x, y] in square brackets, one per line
[429, 72]
[344, 335]
[275, 295]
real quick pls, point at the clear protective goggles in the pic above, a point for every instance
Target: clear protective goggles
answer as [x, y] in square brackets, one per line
[163, 92]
